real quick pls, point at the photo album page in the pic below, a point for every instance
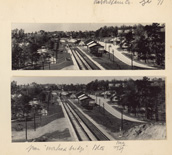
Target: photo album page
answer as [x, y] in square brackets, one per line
[86, 77]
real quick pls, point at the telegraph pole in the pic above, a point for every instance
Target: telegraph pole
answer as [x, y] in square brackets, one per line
[103, 108]
[113, 54]
[26, 126]
[34, 120]
[122, 119]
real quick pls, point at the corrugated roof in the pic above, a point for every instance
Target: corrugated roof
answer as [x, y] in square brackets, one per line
[86, 42]
[83, 98]
[81, 95]
[91, 45]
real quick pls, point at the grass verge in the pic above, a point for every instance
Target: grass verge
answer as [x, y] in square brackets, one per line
[55, 112]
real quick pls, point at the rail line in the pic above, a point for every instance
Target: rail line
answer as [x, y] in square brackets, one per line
[84, 128]
[82, 60]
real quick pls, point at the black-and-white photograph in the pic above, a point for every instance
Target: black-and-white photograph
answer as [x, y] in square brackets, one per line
[53, 109]
[88, 46]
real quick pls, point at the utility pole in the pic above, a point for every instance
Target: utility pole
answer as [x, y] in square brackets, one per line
[26, 126]
[121, 118]
[132, 60]
[96, 98]
[103, 108]
[34, 120]
[49, 65]
[43, 65]
[109, 51]
[56, 56]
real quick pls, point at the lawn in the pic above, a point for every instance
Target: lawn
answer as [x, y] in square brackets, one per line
[141, 116]
[149, 62]
[55, 112]
[64, 60]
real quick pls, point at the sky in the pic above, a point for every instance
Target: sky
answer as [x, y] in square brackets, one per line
[69, 80]
[49, 27]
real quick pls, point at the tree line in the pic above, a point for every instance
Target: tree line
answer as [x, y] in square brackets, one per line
[23, 94]
[25, 47]
[137, 96]
[148, 42]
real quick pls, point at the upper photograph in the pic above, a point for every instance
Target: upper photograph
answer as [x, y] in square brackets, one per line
[88, 46]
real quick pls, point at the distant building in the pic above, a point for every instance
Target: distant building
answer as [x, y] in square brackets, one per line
[113, 97]
[44, 112]
[116, 84]
[158, 82]
[95, 48]
[85, 100]
[79, 43]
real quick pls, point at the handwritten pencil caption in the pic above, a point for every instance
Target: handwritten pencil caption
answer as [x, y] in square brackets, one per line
[128, 2]
[118, 146]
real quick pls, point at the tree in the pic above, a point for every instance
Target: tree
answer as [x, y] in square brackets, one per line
[156, 41]
[143, 87]
[130, 96]
[14, 87]
[17, 57]
[31, 51]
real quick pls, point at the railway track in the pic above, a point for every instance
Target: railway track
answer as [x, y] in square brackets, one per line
[83, 61]
[84, 128]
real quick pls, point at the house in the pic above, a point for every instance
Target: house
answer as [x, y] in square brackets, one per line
[115, 40]
[14, 96]
[72, 96]
[42, 51]
[62, 41]
[77, 42]
[106, 94]
[113, 98]
[64, 93]
[44, 112]
[34, 102]
[81, 43]
[23, 44]
[116, 84]
[72, 40]
[157, 82]
[54, 93]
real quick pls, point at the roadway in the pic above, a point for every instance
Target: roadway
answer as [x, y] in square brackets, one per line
[122, 57]
[113, 111]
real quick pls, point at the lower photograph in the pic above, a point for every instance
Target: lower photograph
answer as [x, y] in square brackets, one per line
[105, 108]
